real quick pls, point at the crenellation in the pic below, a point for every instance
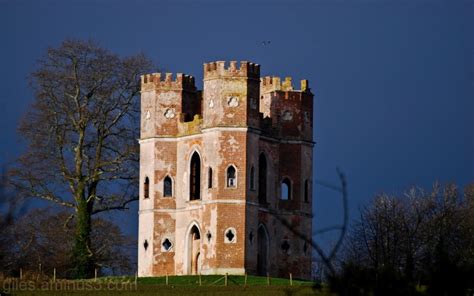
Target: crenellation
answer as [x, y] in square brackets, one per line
[269, 84]
[274, 83]
[305, 85]
[233, 66]
[158, 81]
[287, 85]
[218, 69]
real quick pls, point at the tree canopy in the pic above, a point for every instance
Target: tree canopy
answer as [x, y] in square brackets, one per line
[81, 134]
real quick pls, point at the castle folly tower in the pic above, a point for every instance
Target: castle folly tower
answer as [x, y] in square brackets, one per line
[225, 174]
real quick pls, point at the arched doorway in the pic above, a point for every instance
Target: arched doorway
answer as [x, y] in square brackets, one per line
[262, 252]
[194, 251]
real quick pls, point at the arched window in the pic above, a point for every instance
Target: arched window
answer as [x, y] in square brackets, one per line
[209, 178]
[195, 177]
[286, 189]
[306, 191]
[231, 177]
[262, 179]
[252, 178]
[146, 188]
[167, 187]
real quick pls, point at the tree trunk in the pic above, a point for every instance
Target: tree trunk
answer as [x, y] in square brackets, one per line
[82, 254]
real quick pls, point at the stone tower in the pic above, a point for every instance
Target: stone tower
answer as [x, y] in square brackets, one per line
[225, 174]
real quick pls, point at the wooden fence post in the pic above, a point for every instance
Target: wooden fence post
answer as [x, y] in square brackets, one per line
[200, 282]
[166, 279]
[39, 272]
[291, 279]
[225, 278]
[95, 275]
[54, 275]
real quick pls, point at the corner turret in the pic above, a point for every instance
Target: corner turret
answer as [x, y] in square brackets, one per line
[290, 110]
[166, 101]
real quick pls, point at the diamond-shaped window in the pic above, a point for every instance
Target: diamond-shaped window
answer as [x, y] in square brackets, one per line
[167, 244]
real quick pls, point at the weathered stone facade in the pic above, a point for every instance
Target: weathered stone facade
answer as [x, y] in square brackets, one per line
[225, 174]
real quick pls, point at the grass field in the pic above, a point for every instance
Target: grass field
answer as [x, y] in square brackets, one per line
[177, 285]
[219, 280]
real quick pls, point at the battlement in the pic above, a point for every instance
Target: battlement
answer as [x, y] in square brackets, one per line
[159, 81]
[220, 69]
[271, 83]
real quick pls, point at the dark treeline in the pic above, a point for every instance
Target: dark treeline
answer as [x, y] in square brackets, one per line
[415, 244]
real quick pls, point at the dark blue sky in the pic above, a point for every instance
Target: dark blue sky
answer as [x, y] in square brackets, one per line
[393, 79]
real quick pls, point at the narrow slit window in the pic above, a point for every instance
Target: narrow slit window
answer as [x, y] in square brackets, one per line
[306, 191]
[262, 179]
[252, 178]
[209, 178]
[231, 177]
[146, 188]
[167, 187]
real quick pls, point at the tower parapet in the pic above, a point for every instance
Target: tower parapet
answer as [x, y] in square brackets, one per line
[166, 82]
[230, 94]
[218, 70]
[272, 83]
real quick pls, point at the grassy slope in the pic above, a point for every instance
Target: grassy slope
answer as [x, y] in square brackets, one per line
[218, 280]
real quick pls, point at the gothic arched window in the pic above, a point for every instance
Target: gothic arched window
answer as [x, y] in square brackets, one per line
[286, 189]
[231, 177]
[167, 187]
[195, 177]
[146, 188]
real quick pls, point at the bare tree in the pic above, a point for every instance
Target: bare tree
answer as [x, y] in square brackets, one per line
[389, 235]
[11, 208]
[420, 237]
[448, 263]
[45, 236]
[81, 133]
